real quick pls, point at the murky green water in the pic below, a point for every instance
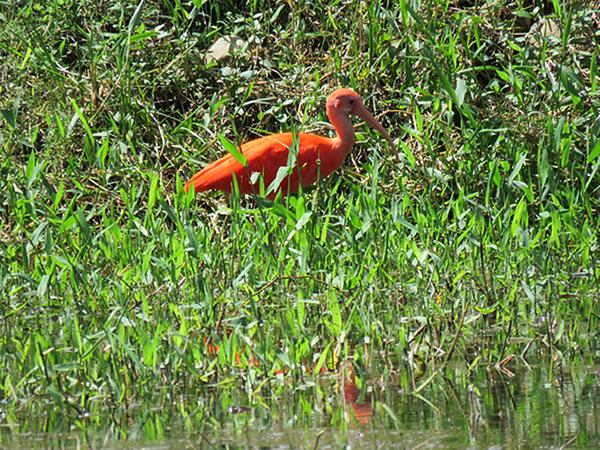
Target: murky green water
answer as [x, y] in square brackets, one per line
[527, 408]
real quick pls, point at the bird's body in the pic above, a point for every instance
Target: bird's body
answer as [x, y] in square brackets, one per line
[317, 156]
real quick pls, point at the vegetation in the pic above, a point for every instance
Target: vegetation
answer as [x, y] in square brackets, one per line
[480, 249]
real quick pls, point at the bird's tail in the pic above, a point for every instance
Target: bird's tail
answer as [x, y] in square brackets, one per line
[216, 175]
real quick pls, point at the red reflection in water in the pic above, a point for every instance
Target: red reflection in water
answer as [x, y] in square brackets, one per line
[362, 411]
[359, 411]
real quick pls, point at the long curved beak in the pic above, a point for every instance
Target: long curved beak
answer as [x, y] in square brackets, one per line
[371, 120]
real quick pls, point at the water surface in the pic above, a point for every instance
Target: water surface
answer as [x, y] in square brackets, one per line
[525, 406]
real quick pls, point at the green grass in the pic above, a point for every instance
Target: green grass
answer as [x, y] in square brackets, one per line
[483, 244]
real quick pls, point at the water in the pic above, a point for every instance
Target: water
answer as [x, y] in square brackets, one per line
[532, 407]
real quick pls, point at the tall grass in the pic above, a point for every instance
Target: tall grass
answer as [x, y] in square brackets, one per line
[482, 246]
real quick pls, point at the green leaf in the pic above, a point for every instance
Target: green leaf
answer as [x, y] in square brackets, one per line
[418, 118]
[517, 168]
[322, 359]
[303, 220]
[135, 19]
[37, 233]
[55, 394]
[594, 153]
[231, 148]
[461, 90]
[194, 246]
[518, 217]
[43, 286]
[86, 229]
[32, 169]
[9, 117]
[409, 154]
[152, 194]
[336, 316]
[282, 172]
[30, 166]
[84, 123]
[558, 133]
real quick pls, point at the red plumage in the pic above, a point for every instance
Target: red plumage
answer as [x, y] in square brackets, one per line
[317, 156]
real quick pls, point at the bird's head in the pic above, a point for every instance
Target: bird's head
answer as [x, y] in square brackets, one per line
[347, 101]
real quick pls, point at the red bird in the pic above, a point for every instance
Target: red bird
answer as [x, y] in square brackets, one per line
[317, 157]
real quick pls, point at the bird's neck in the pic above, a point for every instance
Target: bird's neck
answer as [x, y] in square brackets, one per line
[344, 128]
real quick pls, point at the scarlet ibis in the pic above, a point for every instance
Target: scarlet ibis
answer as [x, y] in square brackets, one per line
[317, 156]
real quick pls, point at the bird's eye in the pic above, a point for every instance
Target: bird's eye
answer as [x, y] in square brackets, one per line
[352, 101]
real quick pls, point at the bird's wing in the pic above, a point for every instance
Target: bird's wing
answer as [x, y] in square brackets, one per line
[265, 156]
[314, 157]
